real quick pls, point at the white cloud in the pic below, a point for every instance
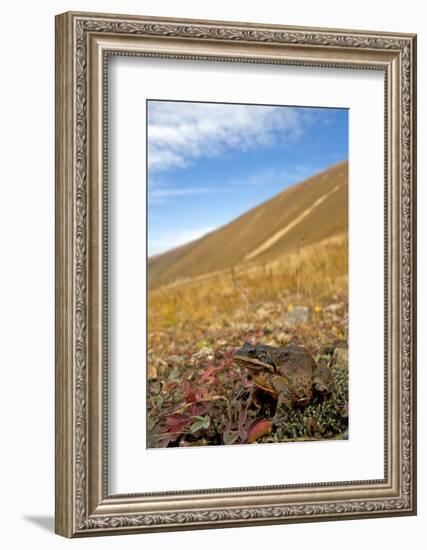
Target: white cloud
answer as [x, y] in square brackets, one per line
[172, 239]
[160, 193]
[278, 176]
[180, 132]
[164, 157]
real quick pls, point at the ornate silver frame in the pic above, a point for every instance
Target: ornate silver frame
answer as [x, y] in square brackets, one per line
[83, 42]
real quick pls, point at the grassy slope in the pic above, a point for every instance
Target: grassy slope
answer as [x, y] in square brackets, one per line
[229, 245]
[311, 276]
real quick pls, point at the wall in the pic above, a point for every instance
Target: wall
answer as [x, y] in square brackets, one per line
[27, 267]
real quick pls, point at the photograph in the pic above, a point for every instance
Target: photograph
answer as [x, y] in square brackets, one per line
[247, 273]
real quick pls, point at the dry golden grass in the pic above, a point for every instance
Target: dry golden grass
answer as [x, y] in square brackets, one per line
[311, 275]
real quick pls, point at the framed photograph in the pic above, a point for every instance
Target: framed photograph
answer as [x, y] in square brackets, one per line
[235, 274]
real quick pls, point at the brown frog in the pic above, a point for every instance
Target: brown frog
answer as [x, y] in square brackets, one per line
[289, 374]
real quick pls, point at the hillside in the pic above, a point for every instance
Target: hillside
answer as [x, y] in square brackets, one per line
[306, 213]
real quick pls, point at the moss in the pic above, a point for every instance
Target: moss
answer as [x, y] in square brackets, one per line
[323, 420]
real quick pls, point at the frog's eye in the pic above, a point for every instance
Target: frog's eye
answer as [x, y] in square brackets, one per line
[251, 352]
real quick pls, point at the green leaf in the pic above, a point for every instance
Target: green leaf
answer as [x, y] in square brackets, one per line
[157, 400]
[203, 422]
[230, 437]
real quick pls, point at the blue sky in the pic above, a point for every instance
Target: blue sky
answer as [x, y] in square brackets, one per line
[209, 162]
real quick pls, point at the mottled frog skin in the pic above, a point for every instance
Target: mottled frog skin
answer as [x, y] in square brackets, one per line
[290, 374]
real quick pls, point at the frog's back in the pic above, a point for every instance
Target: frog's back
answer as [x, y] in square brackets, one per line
[299, 367]
[295, 361]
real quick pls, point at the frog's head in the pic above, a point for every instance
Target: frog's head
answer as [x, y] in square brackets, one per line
[255, 358]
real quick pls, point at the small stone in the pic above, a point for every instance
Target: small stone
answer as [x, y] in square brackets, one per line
[297, 315]
[340, 358]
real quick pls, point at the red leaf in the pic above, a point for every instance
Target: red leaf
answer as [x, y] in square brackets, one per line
[197, 409]
[260, 428]
[191, 393]
[208, 373]
[176, 422]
